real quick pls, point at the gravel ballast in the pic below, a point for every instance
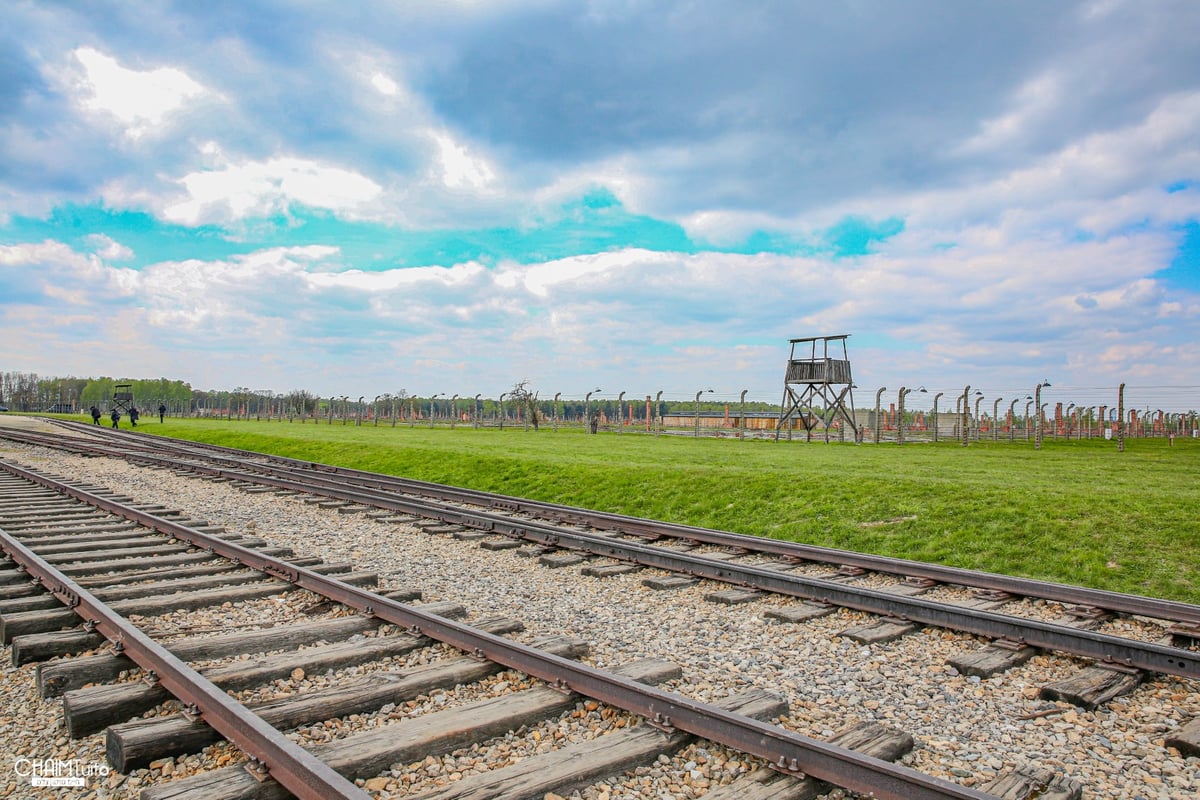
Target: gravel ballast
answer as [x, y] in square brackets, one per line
[967, 729]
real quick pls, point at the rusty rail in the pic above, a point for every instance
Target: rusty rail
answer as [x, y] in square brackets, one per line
[1101, 647]
[303, 774]
[786, 750]
[1020, 587]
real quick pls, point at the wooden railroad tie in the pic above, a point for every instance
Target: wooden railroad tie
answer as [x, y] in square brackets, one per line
[435, 734]
[135, 744]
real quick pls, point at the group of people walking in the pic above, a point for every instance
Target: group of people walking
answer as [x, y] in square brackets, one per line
[115, 416]
[134, 415]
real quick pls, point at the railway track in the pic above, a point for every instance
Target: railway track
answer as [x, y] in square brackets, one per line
[828, 577]
[608, 545]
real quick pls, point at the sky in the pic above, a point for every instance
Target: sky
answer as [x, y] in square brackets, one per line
[456, 196]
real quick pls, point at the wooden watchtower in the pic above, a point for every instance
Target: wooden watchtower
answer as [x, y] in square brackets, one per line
[123, 397]
[817, 387]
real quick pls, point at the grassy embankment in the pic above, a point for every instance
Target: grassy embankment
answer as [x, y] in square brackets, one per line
[1078, 513]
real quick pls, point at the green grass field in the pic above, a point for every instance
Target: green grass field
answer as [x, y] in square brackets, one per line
[1079, 513]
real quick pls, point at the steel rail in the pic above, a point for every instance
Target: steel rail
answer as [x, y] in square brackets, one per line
[1104, 648]
[1049, 636]
[300, 771]
[1138, 605]
[786, 750]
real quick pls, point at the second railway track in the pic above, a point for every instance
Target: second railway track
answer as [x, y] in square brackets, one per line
[837, 668]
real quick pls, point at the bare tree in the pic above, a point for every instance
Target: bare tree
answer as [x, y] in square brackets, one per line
[301, 402]
[525, 399]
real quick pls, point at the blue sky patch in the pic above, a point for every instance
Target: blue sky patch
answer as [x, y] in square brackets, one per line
[1184, 272]
[150, 239]
[855, 236]
[595, 223]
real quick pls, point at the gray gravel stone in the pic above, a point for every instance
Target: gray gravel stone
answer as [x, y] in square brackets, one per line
[967, 729]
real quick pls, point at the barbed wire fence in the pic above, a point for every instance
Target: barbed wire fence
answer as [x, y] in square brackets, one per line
[903, 415]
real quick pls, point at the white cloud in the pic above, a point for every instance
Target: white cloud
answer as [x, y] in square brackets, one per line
[109, 249]
[141, 100]
[392, 279]
[53, 270]
[229, 304]
[459, 168]
[617, 319]
[385, 85]
[540, 279]
[1030, 175]
[263, 188]
[1100, 184]
[1030, 104]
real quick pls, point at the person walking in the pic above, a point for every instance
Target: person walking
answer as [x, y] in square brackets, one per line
[162, 412]
[133, 415]
[95, 415]
[116, 416]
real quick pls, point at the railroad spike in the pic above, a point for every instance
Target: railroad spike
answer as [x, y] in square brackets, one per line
[257, 769]
[788, 767]
[662, 722]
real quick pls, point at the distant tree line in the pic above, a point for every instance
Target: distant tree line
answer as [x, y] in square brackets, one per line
[27, 391]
